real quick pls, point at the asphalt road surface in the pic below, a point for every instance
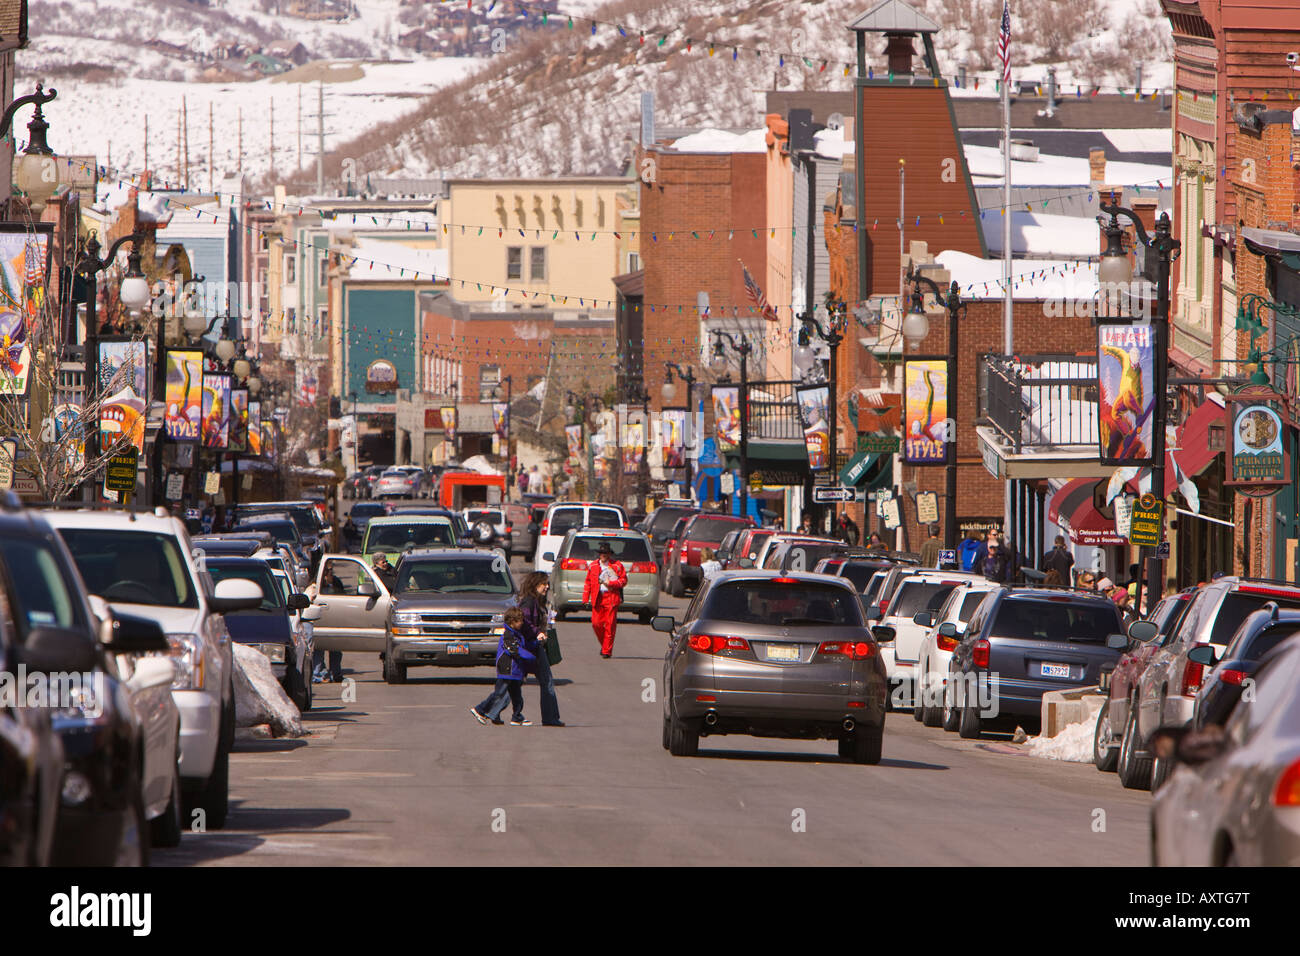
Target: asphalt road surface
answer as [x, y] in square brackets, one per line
[404, 775]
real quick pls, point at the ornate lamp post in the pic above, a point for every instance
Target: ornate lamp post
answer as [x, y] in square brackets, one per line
[719, 365]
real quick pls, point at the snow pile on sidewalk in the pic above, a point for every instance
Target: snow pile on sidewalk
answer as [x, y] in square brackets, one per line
[1073, 743]
[259, 698]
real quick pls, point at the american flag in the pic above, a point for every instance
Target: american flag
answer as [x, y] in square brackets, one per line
[756, 295]
[1004, 41]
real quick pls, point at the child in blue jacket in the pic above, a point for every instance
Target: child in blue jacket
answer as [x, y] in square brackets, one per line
[513, 663]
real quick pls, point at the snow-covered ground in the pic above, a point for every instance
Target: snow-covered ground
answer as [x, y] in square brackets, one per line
[1073, 743]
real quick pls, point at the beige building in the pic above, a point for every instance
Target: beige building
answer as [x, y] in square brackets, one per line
[541, 237]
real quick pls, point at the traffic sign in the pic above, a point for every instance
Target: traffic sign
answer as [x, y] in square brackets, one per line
[1147, 525]
[121, 471]
[830, 494]
[1162, 551]
[756, 482]
[947, 556]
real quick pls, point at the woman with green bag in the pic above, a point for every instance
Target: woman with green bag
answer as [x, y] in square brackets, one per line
[540, 639]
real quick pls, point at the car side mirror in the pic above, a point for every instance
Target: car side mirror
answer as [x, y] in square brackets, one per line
[368, 588]
[299, 602]
[872, 612]
[1143, 631]
[136, 635]
[1203, 654]
[548, 556]
[312, 613]
[883, 634]
[746, 563]
[664, 623]
[947, 629]
[924, 618]
[1119, 642]
[1190, 746]
[50, 649]
[235, 594]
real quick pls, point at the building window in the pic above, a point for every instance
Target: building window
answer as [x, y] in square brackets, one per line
[537, 263]
[323, 321]
[514, 262]
[633, 262]
[290, 269]
[324, 269]
[264, 243]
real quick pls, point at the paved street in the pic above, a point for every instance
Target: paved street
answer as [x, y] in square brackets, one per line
[405, 776]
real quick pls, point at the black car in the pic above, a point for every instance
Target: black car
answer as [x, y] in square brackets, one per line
[1222, 687]
[354, 529]
[101, 819]
[270, 627]
[1021, 643]
[311, 530]
[659, 524]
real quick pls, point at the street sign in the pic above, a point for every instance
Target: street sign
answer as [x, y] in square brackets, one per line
[756, 482]
[892, 517]
[176, 486]
[1162, 551]
[878, 444]
[1147, 525]
[8, 451]
[927, 507]
[827, 495]
[947, 556]
[121, 470]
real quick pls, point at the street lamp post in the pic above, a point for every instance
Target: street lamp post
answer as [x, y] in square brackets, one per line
[1114, 270]
[669, 392]
[743, 347]
[915, 328]
[496, 392]
[37, 175]
[832, 335]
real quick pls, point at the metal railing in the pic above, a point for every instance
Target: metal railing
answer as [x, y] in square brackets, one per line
[774, 411]
[1041, 401]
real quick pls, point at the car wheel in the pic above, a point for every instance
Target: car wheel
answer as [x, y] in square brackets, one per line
[308, 694]
[951, 717]
[916, 704]
[1134, 771]
[845, 745]
[867, 744]
[683, 739]
[299, 688]
[394, 673]
[1161, 768]
[1105, 755]
[667, 731]
[166, 829]
[675, 587]
[561, 615]
[215, 799]
[930, 716]
[968, 723]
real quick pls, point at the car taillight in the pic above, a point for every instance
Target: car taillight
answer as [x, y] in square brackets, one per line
[714, 643]
[980, 653]
[883, 605]
[1232, 677]
[1192, 678]
[645, 567]
[573, 564]
[944, 642]
[1287, 791]
[855, 650]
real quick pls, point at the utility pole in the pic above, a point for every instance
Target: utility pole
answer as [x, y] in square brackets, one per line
[300, 126]
[211, 155]
[185, 121]
[146, 144]
[320, 138]
[239, 140]
[271, 137]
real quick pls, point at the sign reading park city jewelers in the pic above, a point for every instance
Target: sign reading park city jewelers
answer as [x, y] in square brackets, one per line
[1258, 464]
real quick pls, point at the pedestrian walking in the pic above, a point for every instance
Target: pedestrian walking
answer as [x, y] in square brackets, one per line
[1086, 580]
[931, 548]
[971, 550]
[538, 618]
[523, 482]
[805, 524]
[603, 592]
[847, 530]
[513, 663]
[1058, 559]
[999, 563]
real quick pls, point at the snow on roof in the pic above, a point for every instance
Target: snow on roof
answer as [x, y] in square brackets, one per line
[1044, 234]
[1157, 140]
[832, 144]
[721, 141]
[385, 260]
[1032, 278]
[985, 164]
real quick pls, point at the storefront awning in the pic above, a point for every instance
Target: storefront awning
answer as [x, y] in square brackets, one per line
[858, 468]
[1194, 452]
[1073, 508]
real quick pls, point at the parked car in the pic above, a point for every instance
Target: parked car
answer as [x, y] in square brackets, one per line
[490, 526]
[1233, 796]
[1235, 669]
[1165, 694]
[670, 545]
[798, 554]
[536, 515]
[1121, 683]
[580, 548]
[360, 483]
[144, 564]
[448, 610]
[360, 515]
[857, 570]
[659, 524]
[775, 540]
[281, 526]
[746, 548]
[945, 629]
[1021, 643]
[394, 534]
[725, 547]
[402, 481]
[703, 530]
[314, 532]
[271, 626]
[463, 538]
[773, 655]
[563, 515]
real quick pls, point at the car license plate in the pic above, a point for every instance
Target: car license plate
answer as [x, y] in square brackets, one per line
[1055, 670]
[457, 648]
[782, 652]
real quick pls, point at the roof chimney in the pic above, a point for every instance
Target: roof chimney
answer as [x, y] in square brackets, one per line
[1096, 166]
[899, 50]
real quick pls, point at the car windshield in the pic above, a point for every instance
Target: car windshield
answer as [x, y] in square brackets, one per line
[400, 537]
[604, 518]
[133, 567]
[712, 529]
[272, 597]
[43, 596]
[914, 596]
[805, 556]
[799, 604]
[665, 518]
[1237, 606]
[485, 576]
[872, 590]
[858, 574]
[565, 519]
[1056, 619]
[492, 517]
[284, 530]
[366, 509]
[625, 549]
[969, 603]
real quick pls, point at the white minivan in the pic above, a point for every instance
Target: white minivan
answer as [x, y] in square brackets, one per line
[562, 516]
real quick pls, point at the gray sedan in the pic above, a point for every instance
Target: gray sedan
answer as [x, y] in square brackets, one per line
[774, 655]
[1233, 798]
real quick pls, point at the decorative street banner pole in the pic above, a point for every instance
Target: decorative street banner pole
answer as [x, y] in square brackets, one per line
[814, 415]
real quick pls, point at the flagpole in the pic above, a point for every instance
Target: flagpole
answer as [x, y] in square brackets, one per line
[1007, 343]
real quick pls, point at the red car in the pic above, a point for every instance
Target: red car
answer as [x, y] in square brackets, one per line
[748, 545]
[701, 531]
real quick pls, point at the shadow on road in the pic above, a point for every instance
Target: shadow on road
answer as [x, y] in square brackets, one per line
[246, 829]
[828, 757]
[270, 745]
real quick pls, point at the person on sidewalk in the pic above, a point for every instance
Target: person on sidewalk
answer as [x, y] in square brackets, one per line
[930, 549]
[513, 663]
[603, 593]
[537, 620]
[1058, 559]
[846, 529]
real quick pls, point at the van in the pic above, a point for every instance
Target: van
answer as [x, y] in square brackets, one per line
[561, 516]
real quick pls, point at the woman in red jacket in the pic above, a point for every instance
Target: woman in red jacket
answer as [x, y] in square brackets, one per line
[603, 591]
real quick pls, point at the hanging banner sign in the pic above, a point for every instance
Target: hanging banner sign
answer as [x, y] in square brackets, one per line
[726, 416]
[672, 423]
[119, 475]
[573, 435]
[927, 507]
[1258, 463]
[255, 428]
[1147, 522]
[184, 408]
[925, 411]
[448, 413]
[239, 420]
[633, 447]
[1125, 394]
[216, 410]
[814, 415]
[501, 419]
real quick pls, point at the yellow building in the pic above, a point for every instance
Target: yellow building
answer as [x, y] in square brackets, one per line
[530, 239]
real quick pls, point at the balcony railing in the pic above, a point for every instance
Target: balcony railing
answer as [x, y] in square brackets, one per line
[1041, 401]
[774, 412]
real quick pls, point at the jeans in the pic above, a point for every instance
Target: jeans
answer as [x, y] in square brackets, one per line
[546, 682]
[495, 702]
[335, 669]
